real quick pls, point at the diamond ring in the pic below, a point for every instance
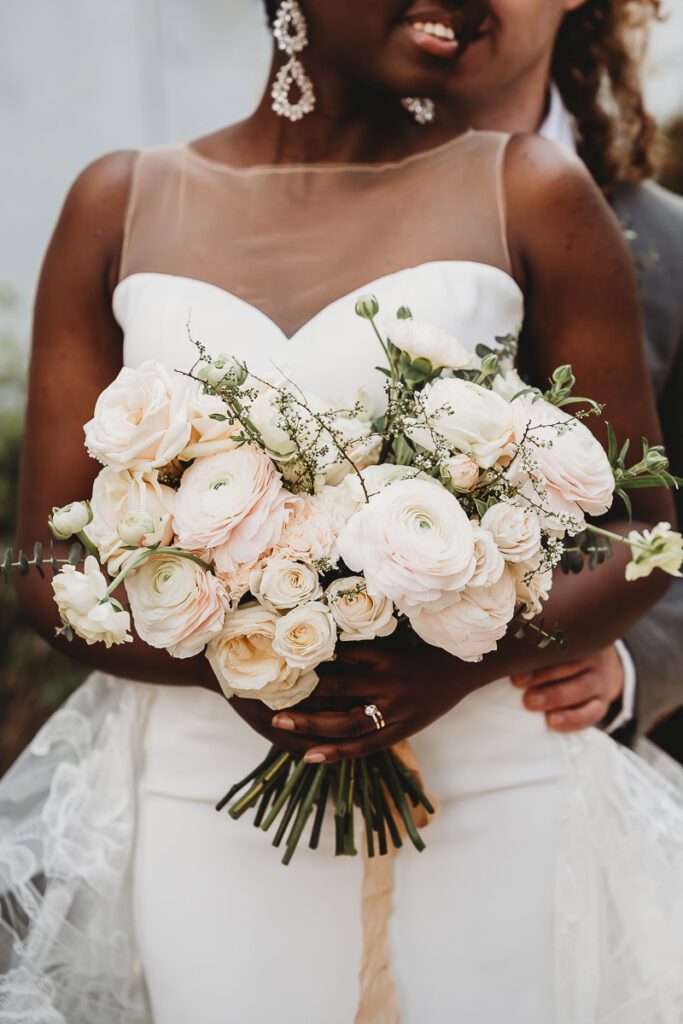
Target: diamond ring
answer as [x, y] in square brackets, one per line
[373, 712]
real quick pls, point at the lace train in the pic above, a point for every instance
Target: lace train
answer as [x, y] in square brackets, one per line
[67, 824]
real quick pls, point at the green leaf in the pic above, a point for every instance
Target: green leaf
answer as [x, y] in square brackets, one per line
[23, 566]
[624, 451]
[75, 553]
[218, 416]
[613, 447]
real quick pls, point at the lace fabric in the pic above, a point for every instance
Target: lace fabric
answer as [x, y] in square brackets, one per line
[67, 827]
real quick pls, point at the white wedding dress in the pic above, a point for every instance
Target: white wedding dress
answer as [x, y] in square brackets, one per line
[551, 890]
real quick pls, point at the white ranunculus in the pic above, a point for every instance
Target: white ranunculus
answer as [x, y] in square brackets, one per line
[283, 583]
[207, 435]
[413, 543]
[472, 626]
[659, 548]
[306, 636]
[70, 519]
[573, 466]
[533, 585]
[461, 472]
[421, 340]
[115, 494]
[359, 615]
[141, 420]
[515, 529]
[469, 418]
[138, 529]
[375, 478]
[490, 562]
[232, 503]
[246, 664]
[271, 424]
[82, 601]
[176, 605]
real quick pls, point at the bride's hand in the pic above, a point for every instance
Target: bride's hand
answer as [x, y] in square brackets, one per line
[410, 682]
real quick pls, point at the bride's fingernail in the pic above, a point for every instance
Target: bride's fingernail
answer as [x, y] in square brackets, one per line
[314, 757]
[283, 722]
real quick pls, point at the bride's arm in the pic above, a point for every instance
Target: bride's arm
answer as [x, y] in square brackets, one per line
[582, 308]
[76, 352]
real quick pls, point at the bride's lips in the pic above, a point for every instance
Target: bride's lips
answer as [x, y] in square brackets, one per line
[432, 31]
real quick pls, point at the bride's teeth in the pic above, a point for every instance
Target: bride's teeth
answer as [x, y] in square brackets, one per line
[437, 30]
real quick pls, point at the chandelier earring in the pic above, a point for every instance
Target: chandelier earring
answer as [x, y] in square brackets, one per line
[422, 108]
[291, 35]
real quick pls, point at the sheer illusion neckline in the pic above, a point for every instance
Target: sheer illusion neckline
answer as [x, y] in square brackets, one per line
[326, 168]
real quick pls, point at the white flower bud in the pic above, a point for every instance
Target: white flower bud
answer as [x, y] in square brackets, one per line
[367, 306]
[227, 370]
[138, 529]
[659, 548]
[70, 519]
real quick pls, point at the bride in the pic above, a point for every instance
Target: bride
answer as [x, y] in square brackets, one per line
[551, 889]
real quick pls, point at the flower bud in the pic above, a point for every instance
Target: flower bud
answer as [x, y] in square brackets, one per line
[70, 519]
[140, 529]
[226, 370]
[367, 306]
[657, 460]
[460, 472]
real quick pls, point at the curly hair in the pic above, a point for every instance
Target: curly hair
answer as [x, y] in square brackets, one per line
[597, 66]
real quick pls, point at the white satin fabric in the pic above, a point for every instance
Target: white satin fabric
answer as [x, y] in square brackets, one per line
[551, 890]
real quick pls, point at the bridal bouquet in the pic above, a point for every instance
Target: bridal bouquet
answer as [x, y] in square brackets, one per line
[249, 520]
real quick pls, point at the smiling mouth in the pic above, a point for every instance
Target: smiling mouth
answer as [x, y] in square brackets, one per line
[444, 33]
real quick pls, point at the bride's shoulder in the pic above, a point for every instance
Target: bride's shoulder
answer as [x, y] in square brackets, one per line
[539, 171]
[98, 196]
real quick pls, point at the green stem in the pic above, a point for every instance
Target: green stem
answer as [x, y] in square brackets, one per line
[138, 559]
[304, 812]
[280, 802]
[320, 812]
[598, 530]
[88, 544]
[295, 799]
[399, 799]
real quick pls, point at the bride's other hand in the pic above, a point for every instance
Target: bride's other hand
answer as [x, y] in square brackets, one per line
[575, 695]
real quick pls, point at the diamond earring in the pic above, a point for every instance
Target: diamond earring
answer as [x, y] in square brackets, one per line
[422, 108]
[291, 36]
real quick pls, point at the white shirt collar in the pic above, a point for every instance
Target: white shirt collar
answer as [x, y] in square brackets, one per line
[558, 124]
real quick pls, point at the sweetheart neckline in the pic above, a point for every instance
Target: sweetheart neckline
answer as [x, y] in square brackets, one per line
[291, 339]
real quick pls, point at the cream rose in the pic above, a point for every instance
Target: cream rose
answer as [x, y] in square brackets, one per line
[115, 494]
[176, 605]
[207, 435]
[515, 529]
[472, 626]
[413, 543]
[421, 340]
[232, 503]
[461, 472]
[283, 583]
[533, 585]
[359, 615]
[83, 605]
[490, 562]
[306, 636]
[141, 420]
[574, 468]
[469, 419]
[246, 664]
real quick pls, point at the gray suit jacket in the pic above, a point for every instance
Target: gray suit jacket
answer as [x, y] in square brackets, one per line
[653, 220]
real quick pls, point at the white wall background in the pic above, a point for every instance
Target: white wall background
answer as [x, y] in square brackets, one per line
[81, 77]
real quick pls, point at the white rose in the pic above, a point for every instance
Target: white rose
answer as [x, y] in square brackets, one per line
[176, 604]
[490, 562]
[82, 601]
[461, 472]
[532, 585]
[306, 636]
[573, 466]
[70, 519]
[515, 529]
[468, 417]
[659, 548]
[472, 626]
[232, 503]
[422, 340]
[117, 493]
[207, 435]
[359, 615]
[283, 583]
[141, 420]
[413, 543]
[246, 664]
